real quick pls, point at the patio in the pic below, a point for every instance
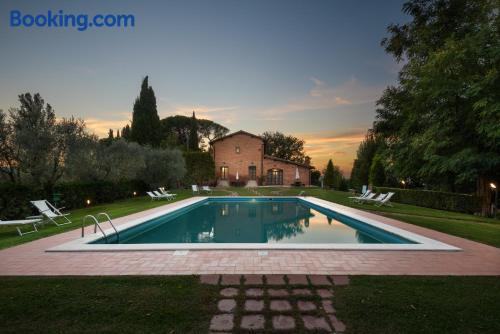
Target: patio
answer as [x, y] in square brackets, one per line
[474, 259]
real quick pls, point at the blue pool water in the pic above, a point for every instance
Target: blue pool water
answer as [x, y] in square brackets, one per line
[258, 220]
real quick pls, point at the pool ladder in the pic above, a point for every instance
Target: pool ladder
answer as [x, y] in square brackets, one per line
[98, 225]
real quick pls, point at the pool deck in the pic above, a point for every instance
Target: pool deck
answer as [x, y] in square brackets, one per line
[32, 259]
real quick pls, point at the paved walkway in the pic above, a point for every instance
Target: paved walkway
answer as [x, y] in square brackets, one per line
[276, 303]
[31, 258]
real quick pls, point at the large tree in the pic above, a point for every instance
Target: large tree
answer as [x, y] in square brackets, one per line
[145, 121]
[34, 145]
[364, 156]
[442, 121]
[284, 146]
[175, 131]
[193, 139]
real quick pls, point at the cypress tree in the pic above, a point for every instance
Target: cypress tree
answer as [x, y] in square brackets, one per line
[145, 121]
[329, 177]
[193, 134]
[126, 132]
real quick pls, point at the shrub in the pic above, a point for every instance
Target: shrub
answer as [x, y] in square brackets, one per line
[15, 199]
[200, 167]
[163, 167]
[434, 199]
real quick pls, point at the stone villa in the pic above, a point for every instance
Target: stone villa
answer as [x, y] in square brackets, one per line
[239, 158]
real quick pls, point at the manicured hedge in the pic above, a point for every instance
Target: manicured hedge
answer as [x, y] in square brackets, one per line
[435, 199]
[14, 199]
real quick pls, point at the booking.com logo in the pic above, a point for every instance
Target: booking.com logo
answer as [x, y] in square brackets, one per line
[80, 21]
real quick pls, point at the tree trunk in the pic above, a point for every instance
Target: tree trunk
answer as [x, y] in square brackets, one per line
[483, 191]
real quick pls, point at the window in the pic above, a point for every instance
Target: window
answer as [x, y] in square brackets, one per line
[224, 172]
[237, 150]
[252, 172]
[275, 177]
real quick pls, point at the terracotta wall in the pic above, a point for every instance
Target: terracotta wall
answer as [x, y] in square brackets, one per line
[224, 152]
[288, 171]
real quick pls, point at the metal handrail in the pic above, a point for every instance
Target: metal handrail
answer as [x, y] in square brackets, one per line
[96, 225]
[112, 225]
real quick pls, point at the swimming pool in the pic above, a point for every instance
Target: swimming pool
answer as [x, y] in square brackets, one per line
[257, 220]
[254, 223]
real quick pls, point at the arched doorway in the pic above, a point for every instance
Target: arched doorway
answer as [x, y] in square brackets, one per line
[274, 177]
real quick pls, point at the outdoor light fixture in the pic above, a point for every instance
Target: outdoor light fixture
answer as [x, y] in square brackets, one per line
[88, 202]
[135, 193]
[495, 203]
[403, 182]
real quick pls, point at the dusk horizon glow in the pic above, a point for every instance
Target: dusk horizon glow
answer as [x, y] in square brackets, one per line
[310, 69]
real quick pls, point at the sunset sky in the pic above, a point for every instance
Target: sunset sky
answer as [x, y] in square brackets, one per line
[309, 68]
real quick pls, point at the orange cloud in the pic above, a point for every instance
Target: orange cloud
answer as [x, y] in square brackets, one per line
[101, 126]
[341, 148]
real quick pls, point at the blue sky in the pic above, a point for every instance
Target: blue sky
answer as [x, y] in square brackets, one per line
[309, 68]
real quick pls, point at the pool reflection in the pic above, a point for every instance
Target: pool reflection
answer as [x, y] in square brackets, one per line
[250, 222]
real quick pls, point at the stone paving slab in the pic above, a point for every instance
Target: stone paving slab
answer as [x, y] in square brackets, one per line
[328, 306]
[209, 279]
[319, 280]
[283, 322]
[252, 305]
[253, 322]
[304, 305]
[338, 325]
[340, 279]
[280, 305]
[226, 305]
[230, 280]
[222, 322]
[315, 323]
[254, 292]
[297, 280]
[229, 292]
[277, 292]
[301, 292]
[253, 279]
[275, 279]
[324, 293]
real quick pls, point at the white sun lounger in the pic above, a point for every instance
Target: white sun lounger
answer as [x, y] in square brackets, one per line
[373, 199]
[154, 196]
[206, 189]
[367, 197]
[167, 196]
[364, 195]
[195, 189]
[385, 201]
[20, 223]
[50, 212]
[165, 192]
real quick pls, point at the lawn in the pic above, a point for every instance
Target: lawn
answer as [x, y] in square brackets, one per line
[382, 304]
[105, 305]
[485, 230]
[391, 304]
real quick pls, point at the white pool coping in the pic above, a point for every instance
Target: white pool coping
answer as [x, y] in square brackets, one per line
[422, 243]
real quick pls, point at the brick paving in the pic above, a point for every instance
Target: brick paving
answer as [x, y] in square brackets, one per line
[256, 307]
[31, 258]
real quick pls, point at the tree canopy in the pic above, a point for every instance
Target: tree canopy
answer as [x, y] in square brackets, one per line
[175, 131]
[145, 128]
[34, 144]
[284, 146]
[441, 122]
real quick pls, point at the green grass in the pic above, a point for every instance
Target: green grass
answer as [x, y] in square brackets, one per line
[106, 305]
[370, 304]
[481, 229]
[382, 304]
